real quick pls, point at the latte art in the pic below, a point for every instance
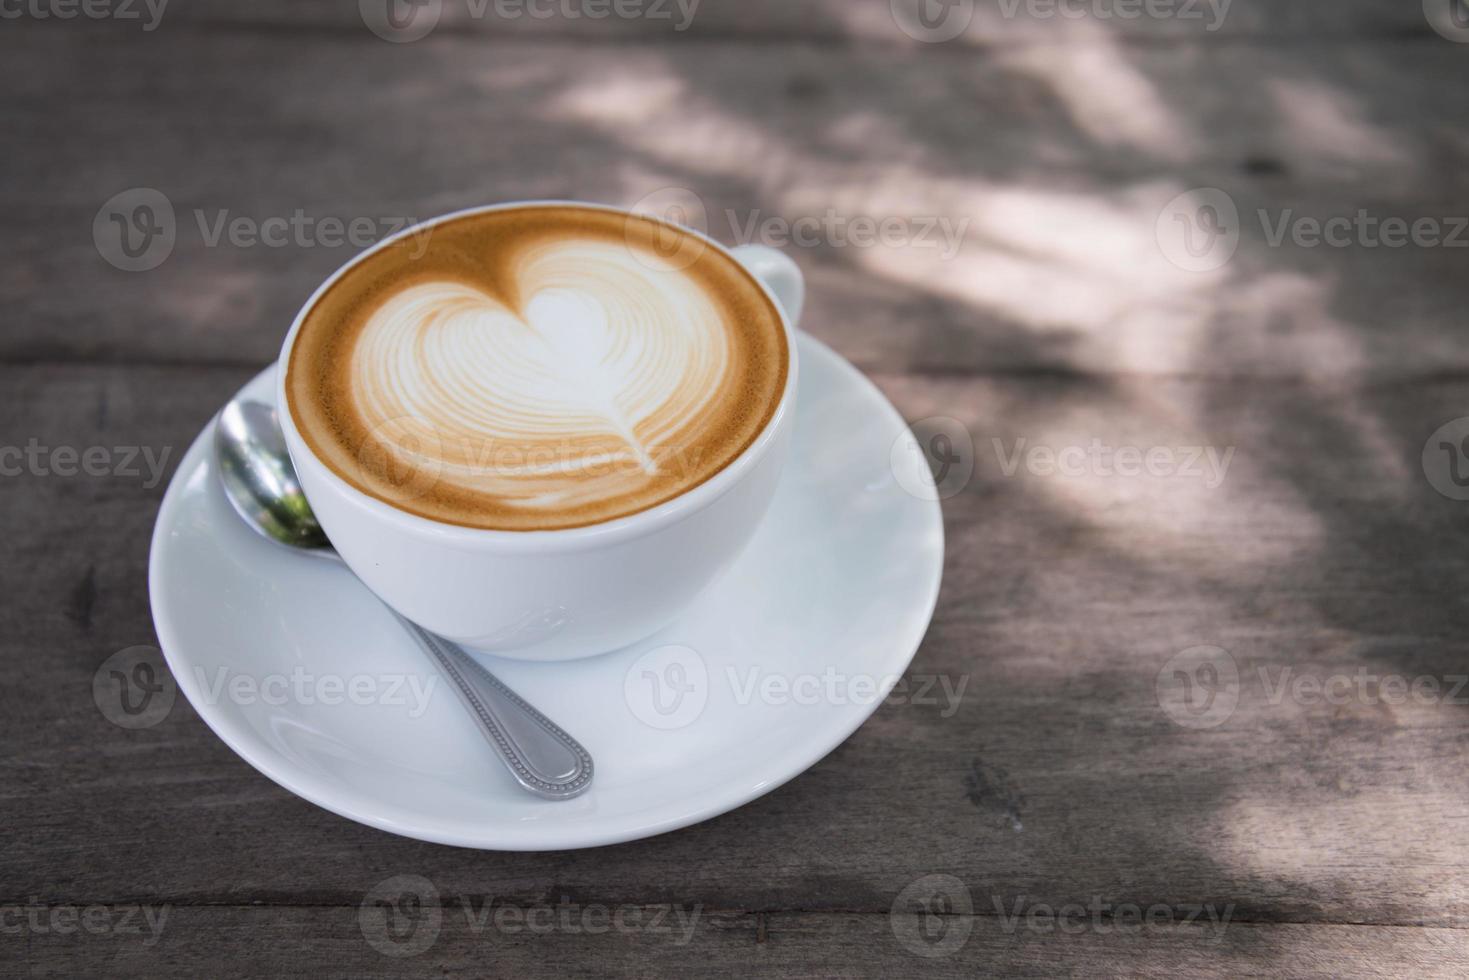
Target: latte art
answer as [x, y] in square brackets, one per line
[536, 369]
[601, 375]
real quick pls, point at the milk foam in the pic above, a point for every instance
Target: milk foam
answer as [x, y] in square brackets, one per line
[536, 368]
[586, 392]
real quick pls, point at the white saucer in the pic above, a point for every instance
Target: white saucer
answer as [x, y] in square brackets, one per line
[831, 599]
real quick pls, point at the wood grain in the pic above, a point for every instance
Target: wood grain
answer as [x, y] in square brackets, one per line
[844, 22]
[1026, 186]
[229, 942]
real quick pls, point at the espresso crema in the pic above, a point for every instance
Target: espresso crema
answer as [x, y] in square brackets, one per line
[537, 368]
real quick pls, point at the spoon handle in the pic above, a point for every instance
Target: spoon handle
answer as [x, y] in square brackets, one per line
[540, 755]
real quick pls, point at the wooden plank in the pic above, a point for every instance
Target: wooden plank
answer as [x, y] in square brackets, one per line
[1060, 774]
[985, 22]
[1056, 167]
[228, 942]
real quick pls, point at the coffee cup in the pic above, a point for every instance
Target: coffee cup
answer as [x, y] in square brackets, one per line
[588, 339]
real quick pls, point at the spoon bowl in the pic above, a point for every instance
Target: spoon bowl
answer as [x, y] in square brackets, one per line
[259, 478]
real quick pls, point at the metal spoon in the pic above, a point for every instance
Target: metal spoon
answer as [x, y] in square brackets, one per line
[260, 482]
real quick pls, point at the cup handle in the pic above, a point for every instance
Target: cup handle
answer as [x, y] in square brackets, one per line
[778, 271]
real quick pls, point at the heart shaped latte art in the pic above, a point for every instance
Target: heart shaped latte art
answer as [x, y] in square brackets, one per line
[592, 381]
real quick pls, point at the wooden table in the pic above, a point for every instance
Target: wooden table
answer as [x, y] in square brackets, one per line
[1087, 808]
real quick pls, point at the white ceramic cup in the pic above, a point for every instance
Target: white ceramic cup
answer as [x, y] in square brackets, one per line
[557, 595]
